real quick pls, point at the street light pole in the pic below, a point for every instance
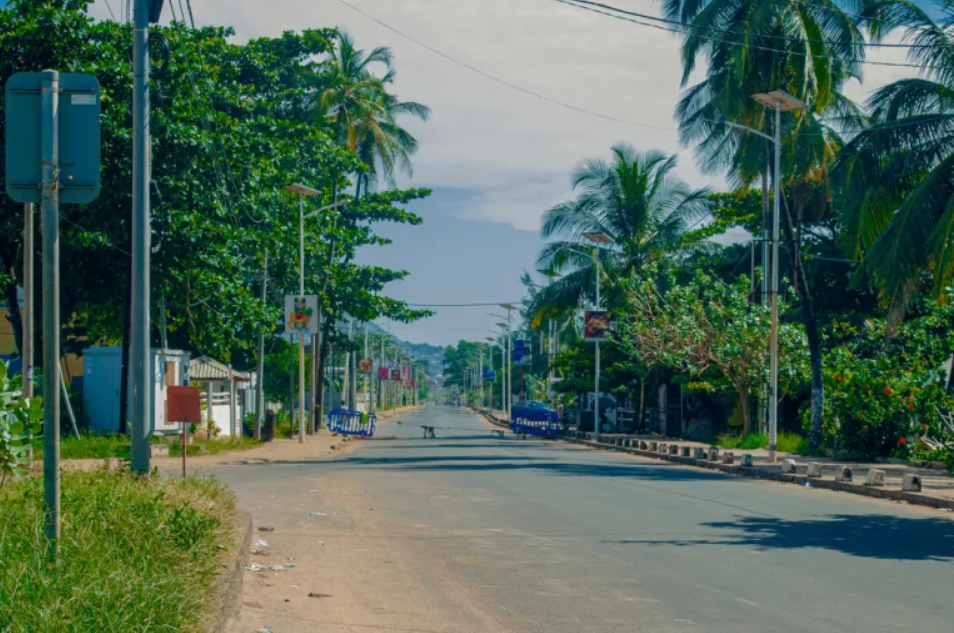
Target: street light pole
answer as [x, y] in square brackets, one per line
[597, 239]
[773, 338]
[778, 101]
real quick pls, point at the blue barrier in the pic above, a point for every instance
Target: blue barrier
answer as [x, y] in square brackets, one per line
[347, 422]
[541, 422]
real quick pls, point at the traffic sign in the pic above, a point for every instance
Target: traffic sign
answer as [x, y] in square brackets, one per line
[77, 111]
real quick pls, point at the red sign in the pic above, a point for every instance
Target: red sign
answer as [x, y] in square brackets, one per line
[395, 374]
[384, 373]
[366, 366]
[183, 405]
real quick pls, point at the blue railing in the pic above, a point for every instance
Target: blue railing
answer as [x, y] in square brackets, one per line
[541, 422]
[347, 422]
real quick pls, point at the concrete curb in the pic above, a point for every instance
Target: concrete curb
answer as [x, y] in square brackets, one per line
[228, 584]
[758, 473]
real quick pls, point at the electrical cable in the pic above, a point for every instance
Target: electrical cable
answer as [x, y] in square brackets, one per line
[504, 82]
[682, 30]
[786, 38]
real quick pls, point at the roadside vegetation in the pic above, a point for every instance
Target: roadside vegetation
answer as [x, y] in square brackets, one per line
[93, 446]
[866, 241]
[137, 554]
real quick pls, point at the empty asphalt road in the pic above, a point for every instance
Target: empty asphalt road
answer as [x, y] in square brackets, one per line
[470, 533]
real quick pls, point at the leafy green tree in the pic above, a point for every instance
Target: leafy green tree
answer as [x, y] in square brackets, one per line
[709, 330]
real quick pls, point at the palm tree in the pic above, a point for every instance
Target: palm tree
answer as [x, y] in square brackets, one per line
[896, 177]
[364, 114]
[810, 49]
[635, 200]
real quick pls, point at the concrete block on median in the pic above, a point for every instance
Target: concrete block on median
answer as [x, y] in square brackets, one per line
[687, 451]
[713, 454]
[843, 473]
[159, 450]
[663, 448]
[911, 483]
[728, 458]
[814, 470]
[875, 477]
[700, 453]
[643, 445]
[653, 446]
[789, 467]
[673, 449]
[747, 461]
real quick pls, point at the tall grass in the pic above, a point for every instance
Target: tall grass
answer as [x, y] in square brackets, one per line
[785, 442]
[137, 554]
[93, 446]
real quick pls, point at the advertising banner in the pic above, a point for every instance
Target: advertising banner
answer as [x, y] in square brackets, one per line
[597, 325]
[384, 373]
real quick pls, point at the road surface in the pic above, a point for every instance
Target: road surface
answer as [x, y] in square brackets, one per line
[470, 533]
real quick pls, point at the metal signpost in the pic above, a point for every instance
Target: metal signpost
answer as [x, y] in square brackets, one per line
[53, 157]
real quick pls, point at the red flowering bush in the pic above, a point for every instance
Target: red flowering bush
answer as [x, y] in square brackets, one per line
[871, 405]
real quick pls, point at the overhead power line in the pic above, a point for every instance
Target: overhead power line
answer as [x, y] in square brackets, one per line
[683, 30]
[786, 38]
[504, 82]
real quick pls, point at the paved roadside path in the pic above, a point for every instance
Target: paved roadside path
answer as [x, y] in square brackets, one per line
[470, 533]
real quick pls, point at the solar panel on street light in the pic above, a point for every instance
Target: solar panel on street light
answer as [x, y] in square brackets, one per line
[780, 100]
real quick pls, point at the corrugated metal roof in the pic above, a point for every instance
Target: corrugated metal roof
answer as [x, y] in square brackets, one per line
[207, 368]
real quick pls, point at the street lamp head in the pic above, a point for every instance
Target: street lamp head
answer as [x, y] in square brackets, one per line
[502, 325]
[329, 207]
[780, 100]
[509, 306]
[301, 190]
[599, 238]
[491, 339]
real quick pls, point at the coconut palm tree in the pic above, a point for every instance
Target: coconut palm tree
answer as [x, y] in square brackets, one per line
[637, 201]
[364, 115]
[896, 178]
[809, 49]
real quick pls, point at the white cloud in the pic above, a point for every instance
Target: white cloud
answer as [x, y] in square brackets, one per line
[516, 150]
[513, 150]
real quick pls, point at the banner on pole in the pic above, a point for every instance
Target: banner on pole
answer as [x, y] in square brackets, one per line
[300, 311]
[490, 375]
[396, 374]
[384, 374]
[597, 325]
[366, 366]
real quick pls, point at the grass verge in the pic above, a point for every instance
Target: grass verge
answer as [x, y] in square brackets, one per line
[785, 442]
[213, 447]
[137, 554]
[93, 446]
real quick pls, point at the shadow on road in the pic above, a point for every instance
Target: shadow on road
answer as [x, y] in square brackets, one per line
[869, 536]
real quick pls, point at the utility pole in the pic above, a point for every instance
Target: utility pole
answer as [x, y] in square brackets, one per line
[26, 345]
[49, 146]
[260, 390]
[353, 356]
[140, 351]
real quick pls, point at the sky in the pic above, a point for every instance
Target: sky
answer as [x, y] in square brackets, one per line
[495, 156]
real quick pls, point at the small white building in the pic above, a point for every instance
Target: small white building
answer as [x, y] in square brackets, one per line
[226, 394]
[102, 380]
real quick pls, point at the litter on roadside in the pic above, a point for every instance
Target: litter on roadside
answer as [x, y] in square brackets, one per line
[317, 514]
[290, 565]
[261, 543]
[266, 528]
[265, 630]
[260, 567]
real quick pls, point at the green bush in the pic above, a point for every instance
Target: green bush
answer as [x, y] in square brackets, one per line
[136, 554]
[873, 405]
